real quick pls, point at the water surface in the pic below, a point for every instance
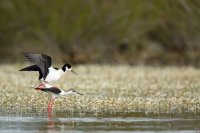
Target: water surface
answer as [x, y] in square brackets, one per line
[99, 124]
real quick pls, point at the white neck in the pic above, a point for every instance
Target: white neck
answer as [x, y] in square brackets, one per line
[66, 93]
[61, 71]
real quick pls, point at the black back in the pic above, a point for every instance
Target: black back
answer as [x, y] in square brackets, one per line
[54, 90]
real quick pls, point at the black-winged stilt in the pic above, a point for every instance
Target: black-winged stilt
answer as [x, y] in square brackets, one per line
[55, 93]
[47, 73]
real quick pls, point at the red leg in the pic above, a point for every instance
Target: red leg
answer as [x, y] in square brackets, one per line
[42, 85]
[50, 107]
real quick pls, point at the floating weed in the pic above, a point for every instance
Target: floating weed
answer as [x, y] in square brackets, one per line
[106, 89]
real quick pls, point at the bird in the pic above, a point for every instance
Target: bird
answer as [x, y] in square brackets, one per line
[55, 92]
[47, 73]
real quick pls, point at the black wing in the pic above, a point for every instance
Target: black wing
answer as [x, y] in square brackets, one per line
[41, 60]
[54, 90]
[30, 68]
[33, 68]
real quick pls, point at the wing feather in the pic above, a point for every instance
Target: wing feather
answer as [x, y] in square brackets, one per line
[41, 60]
[30, 68]
[52, 90]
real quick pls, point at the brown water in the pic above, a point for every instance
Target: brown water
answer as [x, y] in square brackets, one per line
[105, 123]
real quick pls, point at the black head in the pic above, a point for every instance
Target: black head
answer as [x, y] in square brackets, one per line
[66, 67]
[72, 89]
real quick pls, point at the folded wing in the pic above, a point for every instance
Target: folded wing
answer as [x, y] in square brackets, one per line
[54, 90]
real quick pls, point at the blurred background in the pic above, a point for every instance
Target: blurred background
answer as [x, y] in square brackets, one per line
[161, 32]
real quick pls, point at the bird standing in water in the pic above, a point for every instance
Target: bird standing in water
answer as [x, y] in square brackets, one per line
[55, 92]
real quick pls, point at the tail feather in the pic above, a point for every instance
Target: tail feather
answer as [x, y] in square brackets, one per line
[30, 68]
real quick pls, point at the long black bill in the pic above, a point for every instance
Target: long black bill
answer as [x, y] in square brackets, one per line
[79, 93]
[74, 72]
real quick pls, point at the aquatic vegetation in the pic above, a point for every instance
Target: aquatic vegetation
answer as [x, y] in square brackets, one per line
[106, 89]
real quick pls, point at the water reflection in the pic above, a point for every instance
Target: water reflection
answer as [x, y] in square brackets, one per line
[51, 124]
[20, 124]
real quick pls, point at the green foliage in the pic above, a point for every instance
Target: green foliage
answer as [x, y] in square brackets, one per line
[114, 29]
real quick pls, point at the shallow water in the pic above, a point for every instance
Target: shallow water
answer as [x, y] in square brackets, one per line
[81, 124]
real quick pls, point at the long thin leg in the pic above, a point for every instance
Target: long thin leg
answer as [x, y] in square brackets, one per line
[42, 85]
[50, 108]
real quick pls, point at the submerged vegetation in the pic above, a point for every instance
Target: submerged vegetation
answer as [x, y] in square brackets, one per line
[106, 89]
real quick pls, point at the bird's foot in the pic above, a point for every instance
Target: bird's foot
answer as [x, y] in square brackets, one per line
[42, 85]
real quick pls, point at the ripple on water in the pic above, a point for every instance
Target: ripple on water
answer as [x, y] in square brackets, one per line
[97, 124]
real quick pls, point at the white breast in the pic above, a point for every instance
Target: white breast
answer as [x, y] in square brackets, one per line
[53, 75]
